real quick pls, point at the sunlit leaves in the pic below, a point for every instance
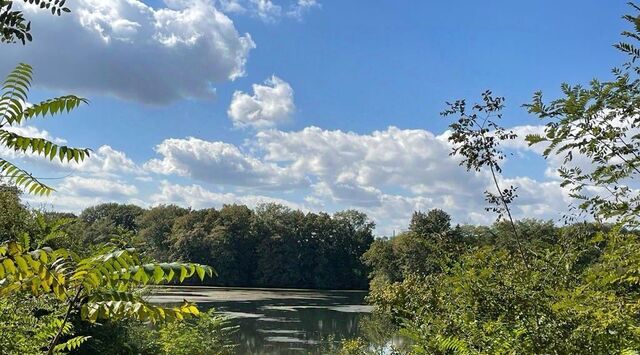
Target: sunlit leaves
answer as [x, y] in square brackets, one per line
[105, 283]
[71, 344]
[14, 110]
[137, 309]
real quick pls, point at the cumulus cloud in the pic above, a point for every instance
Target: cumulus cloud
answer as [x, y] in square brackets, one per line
[218, 162]
[394, 172]
[76, 193]
[415, 160]
[351, 194]
[128, 49]
[269, 11]
[81, 186]
[388, 174]
[196, 196]
[270, 104]
[107, 160]
[232, 6]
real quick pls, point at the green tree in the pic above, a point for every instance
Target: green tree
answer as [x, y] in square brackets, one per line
[382, 261]
[110, 222]
[119, 215]
[433, 222]
[155, 226]
[599, 123]
[13, 214]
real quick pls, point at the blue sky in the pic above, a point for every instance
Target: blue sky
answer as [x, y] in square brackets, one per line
[348, 68]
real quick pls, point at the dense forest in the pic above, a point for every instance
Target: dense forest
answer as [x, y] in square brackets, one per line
[271, 246]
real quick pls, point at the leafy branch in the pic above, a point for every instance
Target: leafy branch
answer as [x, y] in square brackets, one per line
[14, 110]
[476, 137]
[14, 27]
[102, 286]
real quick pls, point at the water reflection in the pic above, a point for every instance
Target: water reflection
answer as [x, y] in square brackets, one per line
[279, 321]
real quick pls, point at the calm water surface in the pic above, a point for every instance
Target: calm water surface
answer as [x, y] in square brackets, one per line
[279, 321]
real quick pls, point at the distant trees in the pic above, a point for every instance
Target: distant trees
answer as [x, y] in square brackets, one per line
[430, 245]
[156, 226]
[270, 246]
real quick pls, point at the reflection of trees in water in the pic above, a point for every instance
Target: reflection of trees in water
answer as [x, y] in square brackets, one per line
[283, 326]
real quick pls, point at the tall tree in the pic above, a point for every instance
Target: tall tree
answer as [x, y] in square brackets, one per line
[156, 225]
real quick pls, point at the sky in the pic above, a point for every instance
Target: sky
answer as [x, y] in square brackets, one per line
[322, 105]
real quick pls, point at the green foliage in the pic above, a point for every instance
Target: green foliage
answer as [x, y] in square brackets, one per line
[13, 215]
[430, 246]
[353, 347]
[27, 324]
[528, 286]
[15, 27]
[598, 124]
[102, 283]
[210, 334]
[156, 226]
[13, 111]
[487, 304]
[102, 286]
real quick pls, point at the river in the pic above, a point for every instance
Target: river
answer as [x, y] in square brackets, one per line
[278, 321]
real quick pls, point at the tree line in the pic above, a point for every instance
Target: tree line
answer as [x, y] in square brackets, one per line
[269, 246]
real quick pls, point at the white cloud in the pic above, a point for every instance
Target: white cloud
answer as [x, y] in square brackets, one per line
[302, 7]
[415, 160]
[81, 186]
[219, 162]
[269, 11]
[394, 172]
[270, 104]
[106, 160]
[76, 193]
[232, 6]
[350, 194]
[196, 196]
[266, 10]
[388, 174]
[130, 50]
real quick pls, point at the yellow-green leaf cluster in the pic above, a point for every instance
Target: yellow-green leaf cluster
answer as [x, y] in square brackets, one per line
[14, 110]
[105, 284]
